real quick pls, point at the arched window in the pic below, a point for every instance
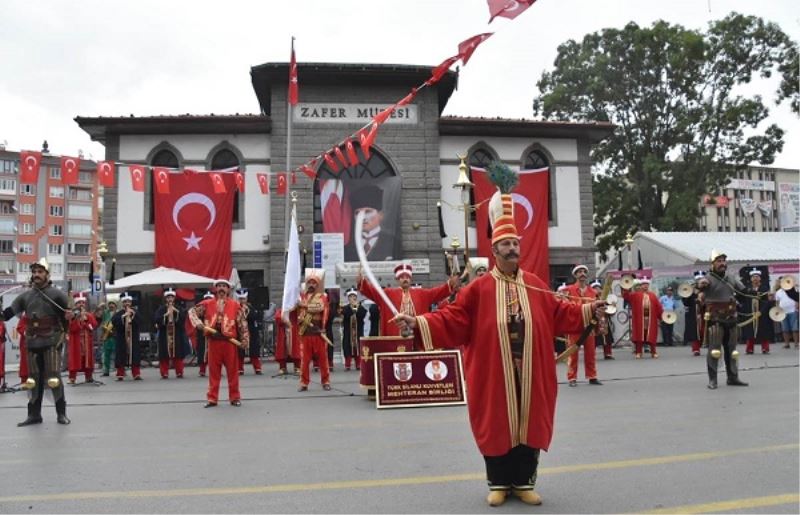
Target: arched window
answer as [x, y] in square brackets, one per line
[373, 185]
[479, 157]
[537, 159]
[225, 158]
[165, 158]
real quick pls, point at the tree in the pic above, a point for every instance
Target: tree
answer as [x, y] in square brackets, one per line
[683, 123]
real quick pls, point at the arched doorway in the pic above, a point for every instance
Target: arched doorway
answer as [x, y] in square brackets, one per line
[372, 186]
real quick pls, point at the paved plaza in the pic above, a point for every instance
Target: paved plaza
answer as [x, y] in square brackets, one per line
[651, 439]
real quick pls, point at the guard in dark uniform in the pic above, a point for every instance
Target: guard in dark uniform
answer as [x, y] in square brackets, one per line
[353, 315]
[756, 303]
[47, 310]
[170, 321]
[694, 324]
[127, 323]
[718, 292]
[254, 350]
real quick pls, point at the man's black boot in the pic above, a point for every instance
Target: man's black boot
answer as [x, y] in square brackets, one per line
[61, 411]
[33, 418]
[735, 381]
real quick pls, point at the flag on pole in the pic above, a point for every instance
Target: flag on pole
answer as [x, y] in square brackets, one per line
[293, 93]
[291, 281]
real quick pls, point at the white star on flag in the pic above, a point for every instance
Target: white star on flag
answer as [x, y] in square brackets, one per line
[192, 242]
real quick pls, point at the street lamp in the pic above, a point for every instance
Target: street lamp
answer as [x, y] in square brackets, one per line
[463, 183]
[628, 242]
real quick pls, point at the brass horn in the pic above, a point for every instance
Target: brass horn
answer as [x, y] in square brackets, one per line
[788, 282]
[626, 282]
[777, 314]
[685, 290]
[669, 317]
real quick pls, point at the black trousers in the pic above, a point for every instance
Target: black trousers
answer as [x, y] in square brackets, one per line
[515, 469]
[666, 332]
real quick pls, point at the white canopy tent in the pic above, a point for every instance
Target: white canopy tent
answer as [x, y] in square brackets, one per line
[158, 278]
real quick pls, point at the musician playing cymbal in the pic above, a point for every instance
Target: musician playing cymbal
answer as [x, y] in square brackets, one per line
[127, 324]
[170, 323]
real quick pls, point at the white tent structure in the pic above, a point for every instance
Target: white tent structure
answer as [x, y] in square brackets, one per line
[158, 278]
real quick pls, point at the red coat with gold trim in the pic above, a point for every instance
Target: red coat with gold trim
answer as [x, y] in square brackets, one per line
[638, 300]
[576, 296]
[500, 419]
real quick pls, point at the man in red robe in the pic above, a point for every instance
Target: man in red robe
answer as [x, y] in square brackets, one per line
[312, 316]
[646, 315]
[80, 354]
[506, 321]
[223, 322]
[407, 300]
[580, 292]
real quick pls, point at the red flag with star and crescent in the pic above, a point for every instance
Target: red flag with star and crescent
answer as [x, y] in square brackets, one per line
[193, 225]
[29, 163]
[105, 174]
[507, 8]
[530, 215]
[69, 169]
[162, 180]
[137, 177]
[263, 182]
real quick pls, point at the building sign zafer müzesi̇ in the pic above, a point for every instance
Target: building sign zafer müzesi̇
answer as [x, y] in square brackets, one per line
[328, 113]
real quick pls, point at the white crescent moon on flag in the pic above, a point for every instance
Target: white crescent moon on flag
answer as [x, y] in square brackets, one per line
[31, 165]
[511, 6]
[105, 168]
[194, 198]
[524, 202]
[70, 163]
[137, 174]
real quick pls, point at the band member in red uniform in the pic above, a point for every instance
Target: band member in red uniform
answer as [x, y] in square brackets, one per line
[646, 315]
[506, 322]
[580, 292]
[407, 300]
[287, 341]
[170, 321]
[254, 350]
[223, 321]
[605, 337]
[353, 314]
[127, 323]
[80, 356]
[312, 316]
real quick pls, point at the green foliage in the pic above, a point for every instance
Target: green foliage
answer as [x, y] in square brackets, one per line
[502, 176]
[683, 124]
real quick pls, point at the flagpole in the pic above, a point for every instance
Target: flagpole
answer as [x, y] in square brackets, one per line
[287, 208]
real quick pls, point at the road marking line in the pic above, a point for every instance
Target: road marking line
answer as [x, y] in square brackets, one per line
[372, 483]
[728, 506]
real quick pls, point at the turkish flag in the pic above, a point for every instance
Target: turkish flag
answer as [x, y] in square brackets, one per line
[468, 46]
[105, 174]
[281, 189]
[263, 182]
[507, 8]
[330, 162]
[530, 215]
[408, 98]
[440, 70]
[340, 156]
[218, 182]
[309, 171]
[384, 115]
[162, 180]
[137, 177]
[193, 225]
[351, 153]
[29, 163]
[367, 138]
[337, 215]
[293, 90]
[239, 180]
[69, 169]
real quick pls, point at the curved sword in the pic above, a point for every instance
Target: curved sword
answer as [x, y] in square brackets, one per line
[362, 258]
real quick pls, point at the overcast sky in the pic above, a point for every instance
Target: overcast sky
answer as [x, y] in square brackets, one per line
[143, 57]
